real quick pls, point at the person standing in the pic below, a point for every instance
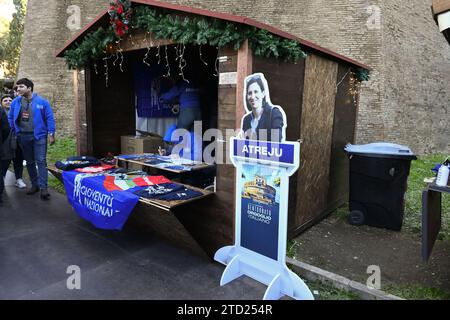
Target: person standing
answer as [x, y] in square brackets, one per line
[18, 156]
[31, 117]
[187, 94]
[4, 132]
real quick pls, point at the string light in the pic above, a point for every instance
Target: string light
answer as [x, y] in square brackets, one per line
[121, 57]
[167, 65]
[95, 68]
[146, 56]
[354, 84]
[201, 56]
[148, 47]
[106, 69]
[182, 64]
[216, 65]
[132, 40]
[177, 47]
[117, 58]
[158, 54]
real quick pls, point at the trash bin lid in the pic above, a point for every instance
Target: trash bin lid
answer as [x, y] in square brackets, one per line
[380, 149]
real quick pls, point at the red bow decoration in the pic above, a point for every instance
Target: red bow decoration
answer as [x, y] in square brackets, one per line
[120, 13]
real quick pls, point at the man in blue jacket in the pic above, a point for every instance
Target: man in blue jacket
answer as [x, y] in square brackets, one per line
[188, 96]
[31, 117]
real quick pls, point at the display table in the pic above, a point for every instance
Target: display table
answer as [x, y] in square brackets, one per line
[187, 164]
[170, 220]
[431, 217]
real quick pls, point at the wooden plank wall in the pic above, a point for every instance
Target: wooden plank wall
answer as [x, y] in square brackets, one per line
[113, 110]
[343, 133]
[316, 131]
[84, 126]
[286, 81]
[211, 221]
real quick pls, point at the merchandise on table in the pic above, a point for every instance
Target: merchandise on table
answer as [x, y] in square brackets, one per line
[182, 194]
[122, 182]
[158, 190]
[168, 192]
[126, 171]
[178, 168]
[95, 169]
[156, 162]
[72, 163]
[137, 156]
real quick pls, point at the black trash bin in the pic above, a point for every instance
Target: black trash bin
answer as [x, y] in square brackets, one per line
[378, 181]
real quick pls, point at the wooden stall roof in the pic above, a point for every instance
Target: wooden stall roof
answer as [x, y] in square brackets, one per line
[103, 19]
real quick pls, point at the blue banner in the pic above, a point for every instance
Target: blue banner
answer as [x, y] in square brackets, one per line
[260, 206]
[93, 202]
[263, 150]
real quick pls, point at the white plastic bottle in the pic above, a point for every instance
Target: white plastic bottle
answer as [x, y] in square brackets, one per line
[443, 174]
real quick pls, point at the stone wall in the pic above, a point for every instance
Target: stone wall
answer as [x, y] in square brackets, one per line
[46, 31]
[404, 102]
[417, 67]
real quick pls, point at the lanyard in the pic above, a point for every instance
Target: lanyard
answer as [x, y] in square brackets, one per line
[28, 103]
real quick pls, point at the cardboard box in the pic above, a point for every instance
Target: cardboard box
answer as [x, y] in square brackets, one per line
[137, 144]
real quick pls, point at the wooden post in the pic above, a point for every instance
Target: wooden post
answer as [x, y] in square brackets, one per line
[244, 68]
[77, 110]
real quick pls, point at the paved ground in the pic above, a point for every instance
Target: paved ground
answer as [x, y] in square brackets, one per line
[39, 240]
[336, 246]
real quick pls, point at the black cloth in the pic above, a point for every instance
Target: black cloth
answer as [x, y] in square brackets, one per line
[154, 192]
[4, 132]
[271, 118]
[76, 162]
[182, 194]
[2, 182]
[167, 192]
[4, 136]
[4, 125]
[9, 147]
[17, 163]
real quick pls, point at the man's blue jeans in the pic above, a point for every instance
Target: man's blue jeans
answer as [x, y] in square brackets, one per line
[35, 152]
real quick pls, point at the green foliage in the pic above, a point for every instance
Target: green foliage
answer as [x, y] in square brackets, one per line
[421, 169]
[291, 248]
[362, 74]
[62, 149]
[418, 292]
[188, 30]
[11, 44]
[92, 48]
[326, 291]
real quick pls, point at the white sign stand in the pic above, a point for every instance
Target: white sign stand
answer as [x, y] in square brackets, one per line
[269, 269]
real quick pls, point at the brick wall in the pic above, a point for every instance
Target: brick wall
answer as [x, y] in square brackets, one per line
[405, 101]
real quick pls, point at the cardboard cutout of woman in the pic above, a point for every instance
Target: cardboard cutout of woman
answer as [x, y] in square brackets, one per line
[263, 120]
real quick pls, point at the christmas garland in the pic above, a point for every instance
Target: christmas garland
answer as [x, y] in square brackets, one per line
[186, 30]
[92, 48]
[217, 33]
[362, 74]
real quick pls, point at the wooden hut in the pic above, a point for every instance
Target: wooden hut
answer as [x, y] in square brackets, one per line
[319, 94]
